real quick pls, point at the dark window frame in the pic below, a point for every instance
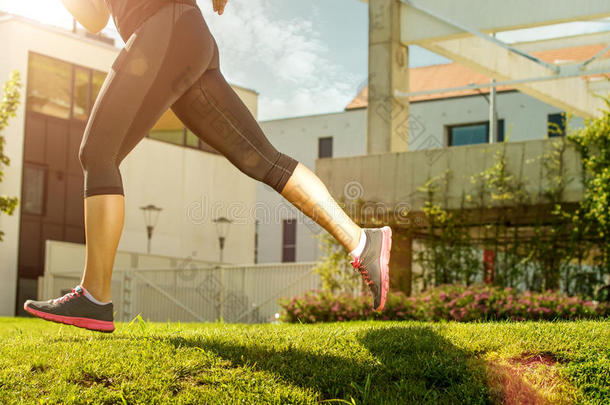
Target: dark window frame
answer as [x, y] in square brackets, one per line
[552, 132]
[289, 247]
[500, 136]
[320, 141]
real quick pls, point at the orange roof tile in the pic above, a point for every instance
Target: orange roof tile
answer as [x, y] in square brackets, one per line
[452, 75]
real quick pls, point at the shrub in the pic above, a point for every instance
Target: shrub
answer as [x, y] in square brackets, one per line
[447, 302]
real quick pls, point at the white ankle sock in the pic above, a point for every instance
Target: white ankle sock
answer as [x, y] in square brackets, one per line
[92, 299]
[358, 250]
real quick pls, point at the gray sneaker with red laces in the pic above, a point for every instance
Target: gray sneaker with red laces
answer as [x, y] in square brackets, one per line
[74, 309]
[373, 263]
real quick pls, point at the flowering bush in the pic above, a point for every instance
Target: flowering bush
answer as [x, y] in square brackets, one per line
[447, 302]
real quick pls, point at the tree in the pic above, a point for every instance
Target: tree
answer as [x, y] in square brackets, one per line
[8, 108]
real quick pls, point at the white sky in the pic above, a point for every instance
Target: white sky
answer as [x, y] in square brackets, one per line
[303, 56]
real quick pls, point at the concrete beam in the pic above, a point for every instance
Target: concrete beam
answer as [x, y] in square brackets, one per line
[564, 42]
[492, 16]
[388, 124]
[570, 94]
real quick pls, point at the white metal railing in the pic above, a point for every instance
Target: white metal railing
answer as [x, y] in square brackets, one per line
[188, 291]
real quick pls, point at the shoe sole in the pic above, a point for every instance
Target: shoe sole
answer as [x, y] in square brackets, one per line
[384, 259]
[85, 323]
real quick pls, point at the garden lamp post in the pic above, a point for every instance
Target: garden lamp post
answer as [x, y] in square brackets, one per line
[222, 228]
[151, 215]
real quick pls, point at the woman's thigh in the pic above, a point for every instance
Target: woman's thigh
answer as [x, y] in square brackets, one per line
[216, 114]
[160, 61]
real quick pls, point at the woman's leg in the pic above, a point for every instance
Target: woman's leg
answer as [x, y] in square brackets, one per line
[308, 193]
[161, 60]
[104, 215]
[216, 114]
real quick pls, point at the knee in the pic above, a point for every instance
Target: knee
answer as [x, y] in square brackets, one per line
[280, 171]
[92, 160]
[88, 157]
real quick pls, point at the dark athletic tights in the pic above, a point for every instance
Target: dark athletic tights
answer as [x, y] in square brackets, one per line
[172, 61]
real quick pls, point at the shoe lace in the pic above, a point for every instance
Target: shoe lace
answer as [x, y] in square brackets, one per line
[358, 266]
[76, 292]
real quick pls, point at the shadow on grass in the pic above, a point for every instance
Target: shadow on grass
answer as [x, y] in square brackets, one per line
[412, 364]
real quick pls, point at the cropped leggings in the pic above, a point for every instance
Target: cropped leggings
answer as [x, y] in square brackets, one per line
[172, 61]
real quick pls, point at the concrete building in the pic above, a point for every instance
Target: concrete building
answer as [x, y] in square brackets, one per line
[436, 120]
[465, 33]
[62, 72]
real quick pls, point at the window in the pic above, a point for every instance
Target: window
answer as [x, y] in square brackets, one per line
[34, 183]
[289, 233]
[325, 147]
[49, 86]
[556, 124]
[61, 89]
[471, 134]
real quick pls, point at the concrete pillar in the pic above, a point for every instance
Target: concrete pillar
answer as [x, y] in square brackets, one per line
[388, 116]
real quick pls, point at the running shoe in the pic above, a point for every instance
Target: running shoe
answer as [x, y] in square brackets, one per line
[74, 309]
[373, 263]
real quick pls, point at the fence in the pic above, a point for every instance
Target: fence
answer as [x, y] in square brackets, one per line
[191, 291]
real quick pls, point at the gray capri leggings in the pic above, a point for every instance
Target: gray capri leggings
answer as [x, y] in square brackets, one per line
[171, 61]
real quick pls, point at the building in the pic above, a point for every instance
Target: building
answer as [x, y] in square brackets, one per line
[62, 72]
[436, 120]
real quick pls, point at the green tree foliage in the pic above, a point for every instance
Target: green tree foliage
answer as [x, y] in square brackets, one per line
[593, 214]
[566, 246]
[8, 108]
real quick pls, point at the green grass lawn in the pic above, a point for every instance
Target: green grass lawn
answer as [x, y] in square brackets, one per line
[355, 362]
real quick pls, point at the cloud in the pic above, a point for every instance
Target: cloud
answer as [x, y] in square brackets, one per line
[285, 60]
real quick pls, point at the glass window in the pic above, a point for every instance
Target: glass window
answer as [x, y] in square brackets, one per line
[468, 134]
[556, 124]
[289, 233]
[175, 137]
[80, 109]
[34, 180]
[471, 134]
[49, 86]
[325, 147]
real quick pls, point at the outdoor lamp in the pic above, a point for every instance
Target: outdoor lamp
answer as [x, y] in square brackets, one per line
[151, 215]
[222, 228]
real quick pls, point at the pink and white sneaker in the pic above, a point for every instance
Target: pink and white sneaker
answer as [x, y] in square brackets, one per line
[74, 309]
[373, 263]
